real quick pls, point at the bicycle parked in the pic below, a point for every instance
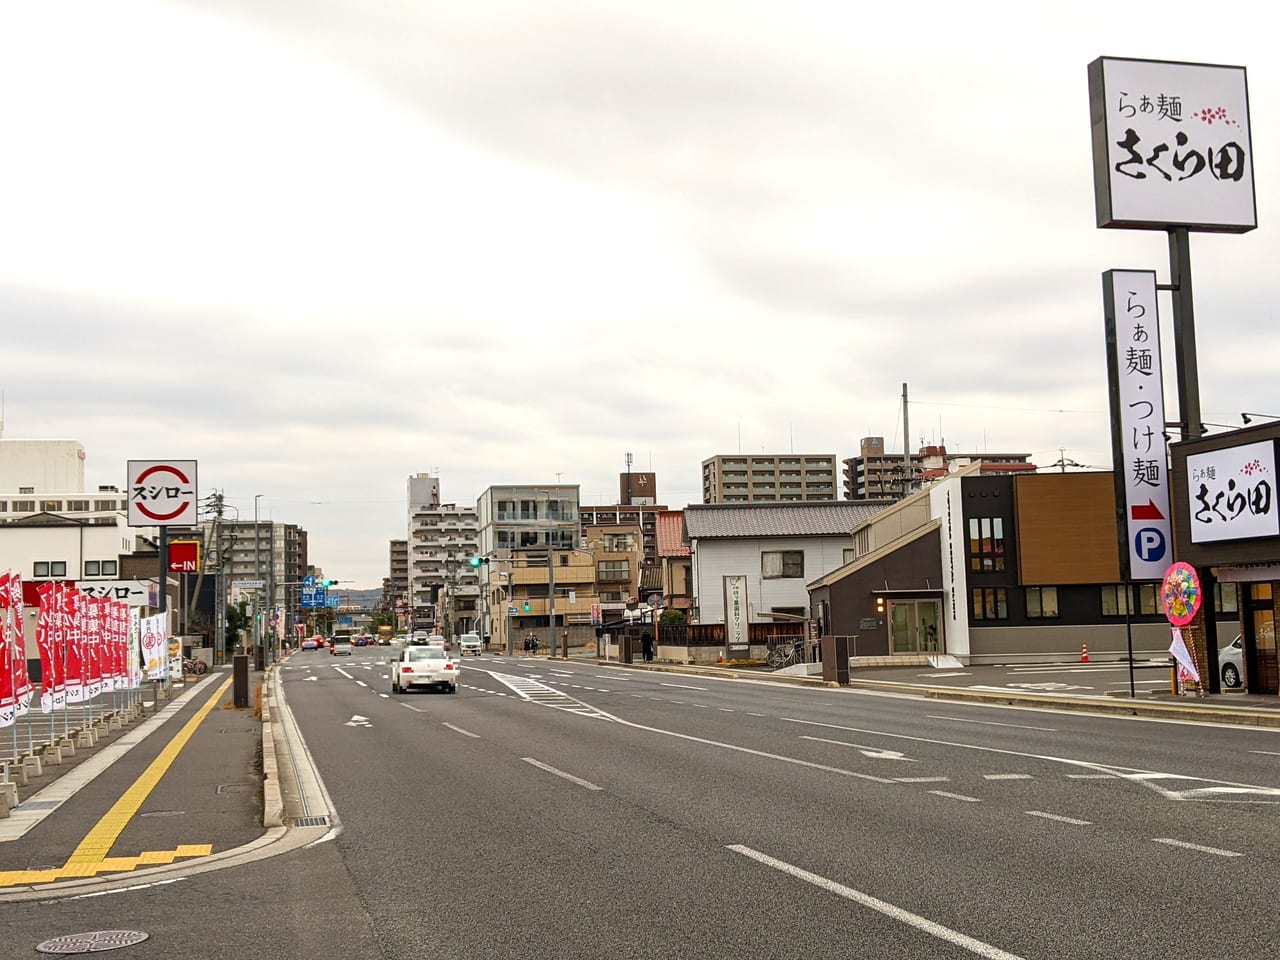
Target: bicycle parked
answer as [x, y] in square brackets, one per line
[785, 654]
[194, 666]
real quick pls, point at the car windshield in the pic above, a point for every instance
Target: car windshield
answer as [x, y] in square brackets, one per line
[426, 653]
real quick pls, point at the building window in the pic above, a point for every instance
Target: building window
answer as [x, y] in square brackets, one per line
[92, 568]
[1226, 598]
[78, 506]
[782, 564]
[850, 555]
[1115, 600]
[24, 506]
[51, 506]
[619, 543]
[990, 604]
[986, 544]
[27, 490]
[612, 571]
[49, 568]
[108, 568]
[1149, 600]
[1042, 602]
[104, 504]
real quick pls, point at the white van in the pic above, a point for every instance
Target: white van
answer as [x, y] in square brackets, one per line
[470, 643]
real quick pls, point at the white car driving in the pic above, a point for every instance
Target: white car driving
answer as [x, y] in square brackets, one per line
[424, 667]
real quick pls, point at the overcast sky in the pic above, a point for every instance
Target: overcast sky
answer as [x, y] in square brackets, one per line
[320, 246]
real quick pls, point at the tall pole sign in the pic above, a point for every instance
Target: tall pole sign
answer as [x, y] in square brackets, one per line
[1139, 449]
[163, 493]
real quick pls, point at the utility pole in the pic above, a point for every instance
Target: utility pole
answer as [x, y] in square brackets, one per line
[551, 592]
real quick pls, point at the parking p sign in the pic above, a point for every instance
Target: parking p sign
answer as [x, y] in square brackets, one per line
[162, 493]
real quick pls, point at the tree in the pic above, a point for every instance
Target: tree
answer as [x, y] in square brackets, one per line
[237, 620]
[672, 618]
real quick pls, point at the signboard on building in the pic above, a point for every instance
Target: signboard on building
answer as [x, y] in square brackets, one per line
[1139, 457]
[737, 635]
[1171, 145]
[639, 489]
[136, 593]
[1231, 493]
[184, 556]
[162, 493]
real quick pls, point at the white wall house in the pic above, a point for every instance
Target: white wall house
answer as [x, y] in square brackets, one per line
[778, 547]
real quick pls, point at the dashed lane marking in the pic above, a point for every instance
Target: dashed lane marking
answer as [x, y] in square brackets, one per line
[1216, 851]
[1059, 819]
[954, 796]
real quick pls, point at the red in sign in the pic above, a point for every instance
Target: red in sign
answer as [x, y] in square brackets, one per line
[184, 556]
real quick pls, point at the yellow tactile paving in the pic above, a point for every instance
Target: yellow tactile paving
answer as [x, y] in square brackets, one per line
[90, 857]
[13, 878]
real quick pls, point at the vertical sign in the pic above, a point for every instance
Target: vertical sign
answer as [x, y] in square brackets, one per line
[736, 618]
[1171, 145]
[1139, 458]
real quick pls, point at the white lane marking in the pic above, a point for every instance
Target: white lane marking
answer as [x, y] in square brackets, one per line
[344, 673]
[385, 696]
[410, 706]
[977, 947]
[1195, 846]
[601, 676]
[727, 710]
[1090, 776]
[1145, 778]
[872, 752]
[921, 779]
[465, 733]
[556, 673]
[1006, 776]
[993, 723]
[1265, 753]
[955, 796]
[362, 683]
[683, 686]
[755, 714]
[1054, 816]
[586, 784]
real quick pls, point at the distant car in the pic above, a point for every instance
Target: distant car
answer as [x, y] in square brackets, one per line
[470, 643]
[340, 646]
[435, 640]
[312, 643]
[419, 638]
[363, 640]
[424, 667]
[1231, 663]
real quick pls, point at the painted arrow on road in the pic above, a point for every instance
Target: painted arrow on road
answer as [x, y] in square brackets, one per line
[358, 721]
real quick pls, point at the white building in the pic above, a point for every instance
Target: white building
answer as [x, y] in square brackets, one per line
[442, 539]
[31, 466]
[778, 547]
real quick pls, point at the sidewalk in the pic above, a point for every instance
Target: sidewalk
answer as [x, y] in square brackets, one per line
[176, 779]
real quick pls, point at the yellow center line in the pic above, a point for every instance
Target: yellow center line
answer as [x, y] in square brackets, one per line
[93, 849]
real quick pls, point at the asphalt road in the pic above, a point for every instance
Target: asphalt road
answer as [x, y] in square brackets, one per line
[574, 810]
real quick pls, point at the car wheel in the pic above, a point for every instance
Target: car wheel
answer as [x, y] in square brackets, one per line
[1230, 676]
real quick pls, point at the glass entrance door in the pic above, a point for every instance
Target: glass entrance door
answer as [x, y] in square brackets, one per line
[915, 627]
[1262, 623]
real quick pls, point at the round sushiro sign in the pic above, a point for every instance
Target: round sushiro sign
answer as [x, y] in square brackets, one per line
[162, 493]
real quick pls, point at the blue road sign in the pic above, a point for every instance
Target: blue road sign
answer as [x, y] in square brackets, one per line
[313, 597]
[333, 601]
[308, 582]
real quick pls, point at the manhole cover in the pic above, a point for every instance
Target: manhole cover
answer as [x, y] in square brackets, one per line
[93, 942]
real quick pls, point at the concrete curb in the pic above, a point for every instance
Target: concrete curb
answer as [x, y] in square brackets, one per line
[272, 798]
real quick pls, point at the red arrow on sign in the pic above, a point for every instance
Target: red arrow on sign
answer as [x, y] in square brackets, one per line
[1149, 511]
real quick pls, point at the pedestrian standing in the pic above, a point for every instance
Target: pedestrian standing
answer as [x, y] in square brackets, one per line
[646, 646]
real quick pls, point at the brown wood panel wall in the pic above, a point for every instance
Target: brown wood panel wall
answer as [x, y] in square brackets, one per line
[1066, 528]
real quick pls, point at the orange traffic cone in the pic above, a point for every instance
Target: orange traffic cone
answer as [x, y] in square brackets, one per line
[1084, 653]
[720, 659]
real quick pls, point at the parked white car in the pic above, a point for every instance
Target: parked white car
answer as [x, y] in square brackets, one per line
[1231, 663]
[470, 643]
[424, 667]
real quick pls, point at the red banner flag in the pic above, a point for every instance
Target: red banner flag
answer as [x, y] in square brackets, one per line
[8, 701]
[22, 688]
[73, 625]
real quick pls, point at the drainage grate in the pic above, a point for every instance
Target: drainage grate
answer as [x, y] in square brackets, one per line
[93, 942]
[40, 804]
[234, 787]
[310, 821]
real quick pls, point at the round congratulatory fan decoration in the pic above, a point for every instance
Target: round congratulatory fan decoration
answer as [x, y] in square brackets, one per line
[1181, 593]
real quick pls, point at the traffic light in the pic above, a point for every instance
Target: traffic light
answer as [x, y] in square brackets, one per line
[477, 561]
[327, 583]
[526, 606]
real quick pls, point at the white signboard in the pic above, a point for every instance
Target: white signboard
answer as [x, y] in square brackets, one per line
[1140, 460]
[136, 593]
[1231, 494]
[162, 493]
[1171, 145]
[736, 616]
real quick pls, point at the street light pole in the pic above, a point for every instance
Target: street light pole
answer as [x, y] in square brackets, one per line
[259, 661]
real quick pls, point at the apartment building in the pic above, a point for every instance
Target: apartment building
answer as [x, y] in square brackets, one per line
[769, 478]
[875, 474]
